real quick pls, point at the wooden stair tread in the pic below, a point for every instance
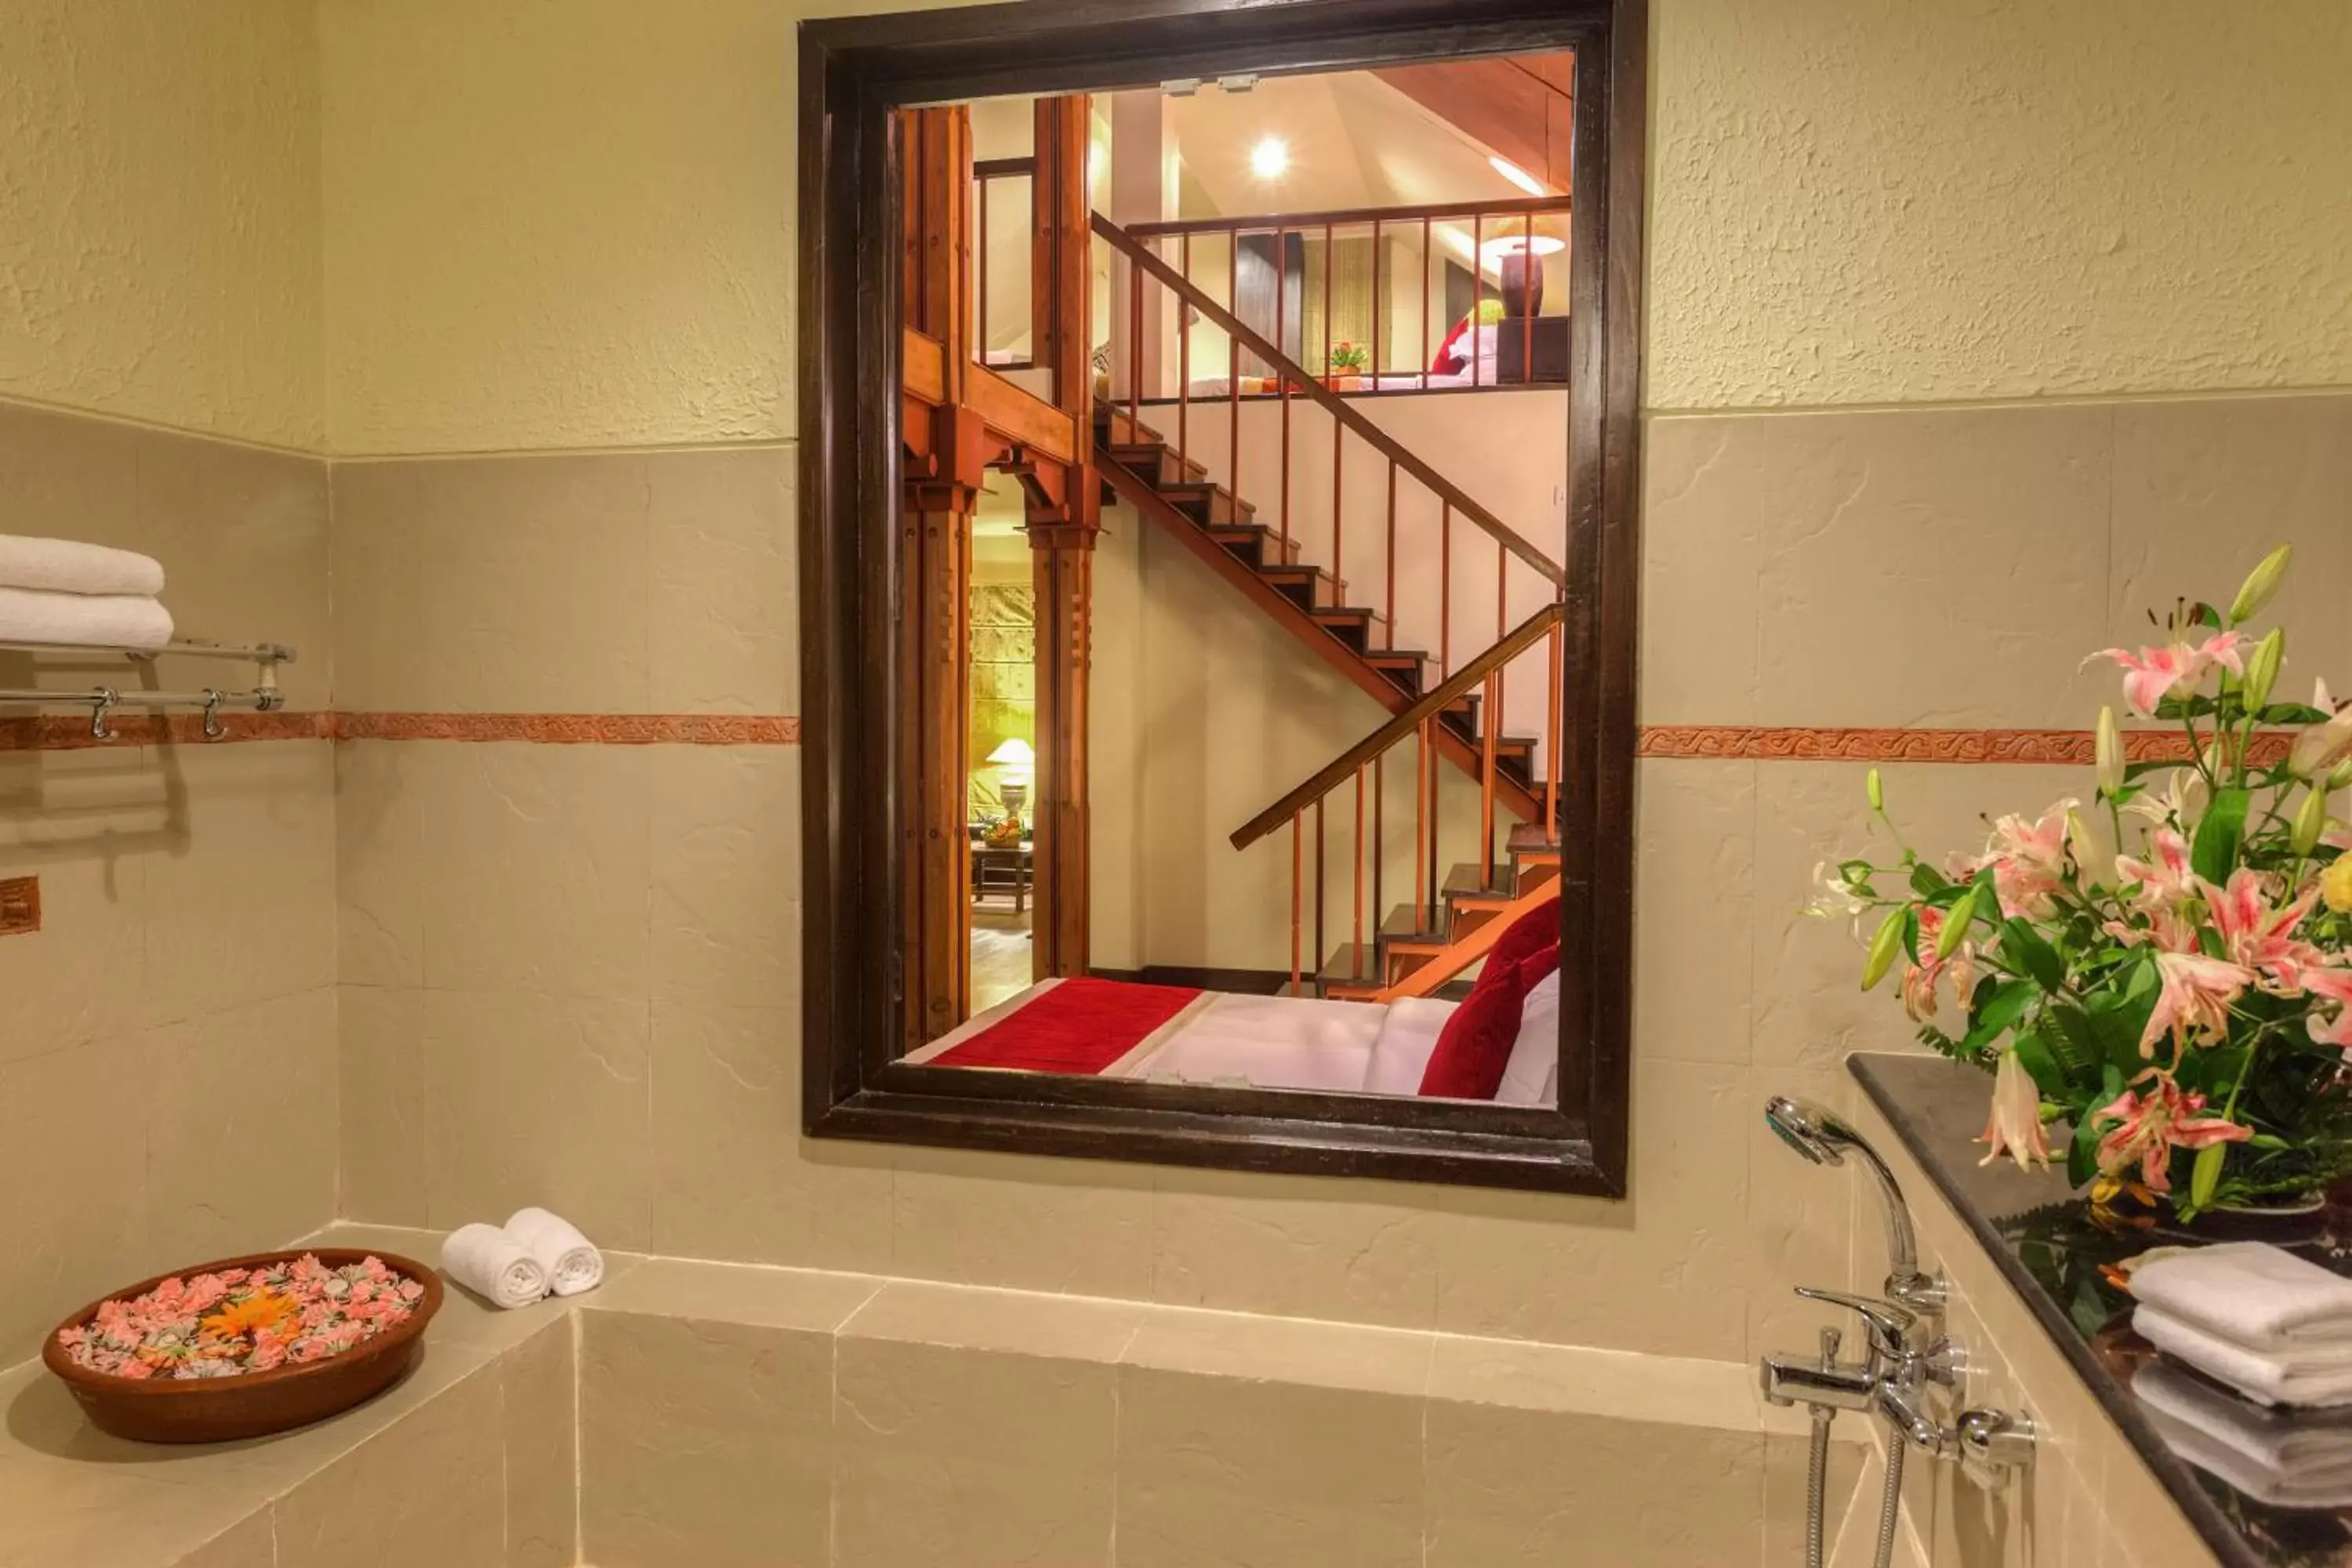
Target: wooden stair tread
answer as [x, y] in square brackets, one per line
[1341, 967]
[1408, 928]
[1532, 838]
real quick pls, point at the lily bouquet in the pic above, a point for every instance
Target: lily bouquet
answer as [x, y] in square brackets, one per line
[2167, 970]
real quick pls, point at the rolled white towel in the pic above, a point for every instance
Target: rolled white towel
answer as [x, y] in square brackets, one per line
[571, 1261]
[493, 1265]
[100, 620]
[68, 567]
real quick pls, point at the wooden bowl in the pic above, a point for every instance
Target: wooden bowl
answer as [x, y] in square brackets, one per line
[217, 1409]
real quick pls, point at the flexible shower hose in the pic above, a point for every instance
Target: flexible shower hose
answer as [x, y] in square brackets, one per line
[1890, 1507]
[1816, 1478]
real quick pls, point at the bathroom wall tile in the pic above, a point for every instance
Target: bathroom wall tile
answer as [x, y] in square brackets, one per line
[1573, 1380]
[381, 881]
[1929, 567]
[534, 1098]
[75, 1158]
[1076, 1226]
[703, 1443]
[536, 867]
[1702, 556]
[252, 1543]
[70, 476]
[240, 893]
[386, 1121]
[532, 583]
[1010, 1322]
[1297, 1247]
[1242, 1471]
[1802, 1222]
[65, 1515]
[803, 1300]
[242, 537]
[732, 1174]
[725, 859]
[426, 1489]
[538, 1430]
[79, 821]
[2205, 488]
[1295, 1351]
[246, 1159]
[1809, 1009]
[1668, 1271]
[378, 552]
[1694, 897]
[723, 611]
[1512, 1487]
[981, 1458]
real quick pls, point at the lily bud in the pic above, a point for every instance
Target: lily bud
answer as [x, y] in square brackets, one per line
[2310, 821]
[2342, 777]
[1883, 950]
[2263, 668]
[1875, 790]
[2261, 584]
[2336, 885]
[2107, 752]
[2205, 1176]
[1956, 921]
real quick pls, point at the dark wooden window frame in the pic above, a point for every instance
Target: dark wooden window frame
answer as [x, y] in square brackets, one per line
[852, 74]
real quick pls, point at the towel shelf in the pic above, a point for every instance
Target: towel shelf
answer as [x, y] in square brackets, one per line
[102, 701]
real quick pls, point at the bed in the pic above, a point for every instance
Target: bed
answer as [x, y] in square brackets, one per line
[1175, 1035]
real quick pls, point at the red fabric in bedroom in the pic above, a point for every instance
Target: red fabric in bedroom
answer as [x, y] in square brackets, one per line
[1079, 1027]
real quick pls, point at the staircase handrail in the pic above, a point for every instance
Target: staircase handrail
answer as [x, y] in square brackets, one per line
[1455, 687]
[1292, 371]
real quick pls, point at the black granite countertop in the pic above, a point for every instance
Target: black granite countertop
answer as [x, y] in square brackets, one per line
[2060, 1255]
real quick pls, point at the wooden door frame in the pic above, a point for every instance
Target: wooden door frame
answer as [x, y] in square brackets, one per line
[852, 74]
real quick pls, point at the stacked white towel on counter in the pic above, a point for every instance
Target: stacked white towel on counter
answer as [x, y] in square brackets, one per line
[2284, 1458]
[520, 1263]
[62, 591]
[2275, 1327]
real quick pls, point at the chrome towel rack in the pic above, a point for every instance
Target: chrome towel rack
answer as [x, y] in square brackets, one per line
[262, 696]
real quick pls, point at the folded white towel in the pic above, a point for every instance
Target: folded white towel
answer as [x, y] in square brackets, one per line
[493, 1265]
[2319, 1487]
[67, 566]
[102, 620]
[2310, 1375]
[2249, 1292]
[2281, 1441]
[572, 1262]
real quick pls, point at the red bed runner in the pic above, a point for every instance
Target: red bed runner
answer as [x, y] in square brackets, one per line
[1079, 1027]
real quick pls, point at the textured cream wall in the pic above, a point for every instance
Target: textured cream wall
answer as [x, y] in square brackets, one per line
[159, 212]
[1896, 201]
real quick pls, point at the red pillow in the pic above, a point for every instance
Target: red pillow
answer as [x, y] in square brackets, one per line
[1538, 968]
[1475, 1045]
[1527, 936]
[1446, 362]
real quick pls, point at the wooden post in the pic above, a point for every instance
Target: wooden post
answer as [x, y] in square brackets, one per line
[1062, 251]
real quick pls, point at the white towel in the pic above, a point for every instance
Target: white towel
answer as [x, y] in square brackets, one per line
[65, 566]
[572, 1262]
[2249, 1292]
[2320, 1486]
[2280, 1442]
[2317, 1375]
[493, 1265]
[96, 620]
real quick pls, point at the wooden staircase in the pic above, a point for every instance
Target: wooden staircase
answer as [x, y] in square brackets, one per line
[1414, 937]
[1141, 467]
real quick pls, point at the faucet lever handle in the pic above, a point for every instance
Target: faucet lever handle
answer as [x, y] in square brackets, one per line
[1890, 1322]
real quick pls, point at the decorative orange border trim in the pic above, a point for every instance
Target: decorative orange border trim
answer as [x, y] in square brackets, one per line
[2072, 747]
[576, 729]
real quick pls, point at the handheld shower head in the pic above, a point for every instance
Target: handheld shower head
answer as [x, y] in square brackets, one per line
[1824, 1136]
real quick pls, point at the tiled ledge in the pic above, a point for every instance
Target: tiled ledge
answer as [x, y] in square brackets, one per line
[692, 1410]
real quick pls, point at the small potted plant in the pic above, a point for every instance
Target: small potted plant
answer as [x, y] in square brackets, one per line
[1345, 373]
[2167, 970]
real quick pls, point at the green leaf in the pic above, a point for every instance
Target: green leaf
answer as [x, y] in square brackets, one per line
[1925, 880]
[2215, 854]
[2048, 1077]
[2024, 946]
[2069, 1036]
[2083, 1153]
[2295, 713]
[2001, 1009]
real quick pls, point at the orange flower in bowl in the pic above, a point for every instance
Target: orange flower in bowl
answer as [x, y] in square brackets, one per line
[256, 1314]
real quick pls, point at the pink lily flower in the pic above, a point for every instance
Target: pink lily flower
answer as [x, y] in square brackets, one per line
[2193, 1002]
[2150, 1126]
[2331, 985]
[2256, 936]
[2164, 881]
[2028, 861]
[2154, 673]
[2013, 1126]
[1919, 979]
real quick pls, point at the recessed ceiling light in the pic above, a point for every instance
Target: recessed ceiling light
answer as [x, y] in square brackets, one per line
[1518, 176]
[1270, 158]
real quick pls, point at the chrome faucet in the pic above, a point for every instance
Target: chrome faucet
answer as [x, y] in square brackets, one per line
[1908, 1355]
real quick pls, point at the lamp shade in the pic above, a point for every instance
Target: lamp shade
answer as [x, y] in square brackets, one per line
[1015, 757]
